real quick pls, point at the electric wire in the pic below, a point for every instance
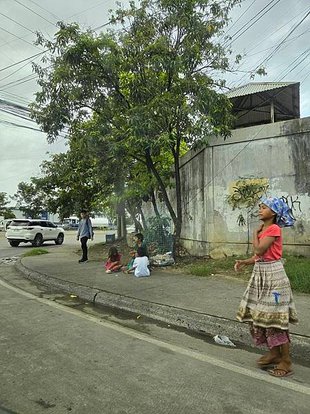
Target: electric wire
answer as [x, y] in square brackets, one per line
[271, 55]
[32, 11]
[23, 60]
[19, 24]
[18, 37]
[42, 8]
[251, 23]
[239, 18]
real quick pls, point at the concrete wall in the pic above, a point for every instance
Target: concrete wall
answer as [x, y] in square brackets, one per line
[279, 152]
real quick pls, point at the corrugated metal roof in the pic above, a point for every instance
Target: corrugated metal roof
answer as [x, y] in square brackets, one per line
[256, 87]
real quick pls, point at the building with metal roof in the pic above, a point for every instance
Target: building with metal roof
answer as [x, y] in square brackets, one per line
[265, 102]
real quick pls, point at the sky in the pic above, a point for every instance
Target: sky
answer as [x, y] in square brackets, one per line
[270, 32]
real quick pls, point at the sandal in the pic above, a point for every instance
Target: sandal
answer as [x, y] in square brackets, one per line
[280, 372]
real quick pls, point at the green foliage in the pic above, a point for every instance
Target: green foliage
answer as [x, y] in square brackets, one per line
[247, 192]
[8, 214]
[143, 95]
[35, 252]
[158, 235]
[298, 270]
[213, 267]
[4, 210]
[245, 196]
[31, 198]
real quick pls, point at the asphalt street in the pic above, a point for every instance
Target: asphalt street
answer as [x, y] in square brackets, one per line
[70, 241]
[7, 251]
[58, 355]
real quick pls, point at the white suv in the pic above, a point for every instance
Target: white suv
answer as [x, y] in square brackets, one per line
[33, 231]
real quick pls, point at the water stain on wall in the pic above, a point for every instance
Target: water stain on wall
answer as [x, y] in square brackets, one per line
[300, 146]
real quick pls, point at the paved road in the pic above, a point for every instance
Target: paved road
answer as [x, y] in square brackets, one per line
[59, 359]
[70, 241]
[7, 251]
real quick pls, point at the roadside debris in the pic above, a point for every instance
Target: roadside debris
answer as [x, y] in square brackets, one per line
[223, 340]
[8, 260]
[165, 259]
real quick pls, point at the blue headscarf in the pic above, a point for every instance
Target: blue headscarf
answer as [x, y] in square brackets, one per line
[284, 216]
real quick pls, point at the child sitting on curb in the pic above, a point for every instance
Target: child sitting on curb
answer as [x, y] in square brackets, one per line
[113, 264]
[139, 242]
[140, 265]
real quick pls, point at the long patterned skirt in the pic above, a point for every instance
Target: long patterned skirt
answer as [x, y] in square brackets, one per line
[268, 305]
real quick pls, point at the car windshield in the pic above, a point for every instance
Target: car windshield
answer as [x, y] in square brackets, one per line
[20, 223]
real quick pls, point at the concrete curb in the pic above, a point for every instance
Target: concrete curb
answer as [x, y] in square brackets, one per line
[184, 318]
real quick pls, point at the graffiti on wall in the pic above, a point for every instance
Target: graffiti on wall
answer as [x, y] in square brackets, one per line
[293, 203]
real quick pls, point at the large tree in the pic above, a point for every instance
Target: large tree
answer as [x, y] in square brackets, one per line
[151, 87]
[5, 211]
[30, 198]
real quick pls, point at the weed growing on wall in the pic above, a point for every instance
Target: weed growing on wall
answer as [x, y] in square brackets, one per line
[244, 196]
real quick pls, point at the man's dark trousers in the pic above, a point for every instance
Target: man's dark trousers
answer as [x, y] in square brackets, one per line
[84, 248]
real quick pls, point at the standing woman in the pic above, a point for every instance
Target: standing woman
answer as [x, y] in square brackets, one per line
[85, 232]
[267, 303]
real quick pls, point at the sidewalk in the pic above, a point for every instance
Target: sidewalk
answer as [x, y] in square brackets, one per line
[203, 304]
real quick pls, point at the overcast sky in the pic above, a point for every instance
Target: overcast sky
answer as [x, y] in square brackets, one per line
[22, 150]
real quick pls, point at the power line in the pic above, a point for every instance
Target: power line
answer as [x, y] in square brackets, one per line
[306, 77]
[52, 14]
[13, 73]
[275, 31]
[18, 37]
[271, 47]
[19, 24]
[270, 56]
[32, 11]
[254, 20]
[13, 95]
[8, 123]
[240, 17]
[304, 55]
[25, 79]
[278, 47]
[23, 60]
[89, 8]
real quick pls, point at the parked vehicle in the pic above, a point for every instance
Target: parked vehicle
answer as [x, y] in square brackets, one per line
[70, 223]
[33, 231]
[100, 222]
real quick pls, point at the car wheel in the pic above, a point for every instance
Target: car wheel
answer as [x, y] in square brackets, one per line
[60, 239]
[14, 243]
[38, 240]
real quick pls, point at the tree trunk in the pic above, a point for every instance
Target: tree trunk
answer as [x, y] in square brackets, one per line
[153, 200]
[140, 211]
[120, 210]
[131, 211]
[178, 192]
[121, 221]
[162, 187]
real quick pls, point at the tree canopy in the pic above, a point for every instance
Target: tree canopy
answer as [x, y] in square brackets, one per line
[143, 94]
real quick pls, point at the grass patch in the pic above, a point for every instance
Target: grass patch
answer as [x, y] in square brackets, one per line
[213, 266]
[298, 271]
[35, 252]
[296, 267]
